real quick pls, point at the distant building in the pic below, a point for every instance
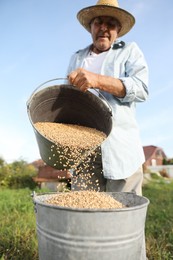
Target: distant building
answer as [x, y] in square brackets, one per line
[153, 155]
[49, 177]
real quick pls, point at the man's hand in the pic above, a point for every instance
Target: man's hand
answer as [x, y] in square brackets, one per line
[83, 79]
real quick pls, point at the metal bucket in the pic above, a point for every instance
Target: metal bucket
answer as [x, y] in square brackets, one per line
[87, 234]
[63, 103]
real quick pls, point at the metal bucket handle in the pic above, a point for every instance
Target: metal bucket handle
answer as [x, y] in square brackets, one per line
[100, 94]
[42, 84]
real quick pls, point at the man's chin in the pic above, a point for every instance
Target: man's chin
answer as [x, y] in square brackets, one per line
[103, 48]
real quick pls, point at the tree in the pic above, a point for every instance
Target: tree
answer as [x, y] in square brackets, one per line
[167, 161]
[18, 174]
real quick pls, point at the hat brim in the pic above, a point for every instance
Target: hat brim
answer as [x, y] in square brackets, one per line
[126, 19]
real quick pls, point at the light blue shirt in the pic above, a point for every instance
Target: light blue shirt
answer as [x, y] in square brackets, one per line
[122, 152]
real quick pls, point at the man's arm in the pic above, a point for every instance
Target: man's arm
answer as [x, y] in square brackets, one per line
[84, 80]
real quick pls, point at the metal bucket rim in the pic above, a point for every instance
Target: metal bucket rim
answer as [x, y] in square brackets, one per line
[56, 86]
[39, 89]
[129, 208]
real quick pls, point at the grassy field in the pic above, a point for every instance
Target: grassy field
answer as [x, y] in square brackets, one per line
[159, 222]
[18, 239]
[17, 230]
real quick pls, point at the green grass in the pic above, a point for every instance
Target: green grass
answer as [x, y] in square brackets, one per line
[159, 222]
[17, 229]
[18, 239]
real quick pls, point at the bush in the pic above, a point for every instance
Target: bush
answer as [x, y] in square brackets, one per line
[21, 181]
[168, 161]
[18, 174]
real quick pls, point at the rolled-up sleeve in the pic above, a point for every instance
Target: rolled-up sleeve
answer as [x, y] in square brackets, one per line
[135, 77]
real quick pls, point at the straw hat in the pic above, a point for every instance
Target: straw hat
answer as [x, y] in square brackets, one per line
[106, 8]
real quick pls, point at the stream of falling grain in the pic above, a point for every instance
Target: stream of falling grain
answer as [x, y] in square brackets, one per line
[73, 146]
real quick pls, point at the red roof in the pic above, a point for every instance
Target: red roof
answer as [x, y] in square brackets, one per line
[149, 150]
[38, 163]
[154, 152]
[36, 179]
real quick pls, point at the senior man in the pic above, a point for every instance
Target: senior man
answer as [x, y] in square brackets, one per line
[119, 72]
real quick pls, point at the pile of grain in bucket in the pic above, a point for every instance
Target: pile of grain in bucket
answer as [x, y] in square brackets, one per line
[84, 200]
[69, 135]
[76, 142]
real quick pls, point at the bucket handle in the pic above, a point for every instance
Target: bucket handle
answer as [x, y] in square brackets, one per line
[42, 84]
[35, 90]
[104, 99]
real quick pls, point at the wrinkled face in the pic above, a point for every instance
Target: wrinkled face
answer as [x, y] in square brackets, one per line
[104, 31]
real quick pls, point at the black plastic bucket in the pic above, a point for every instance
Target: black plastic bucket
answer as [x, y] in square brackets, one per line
[63, 103]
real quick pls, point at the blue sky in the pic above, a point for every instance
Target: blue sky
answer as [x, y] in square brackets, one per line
[38, 38]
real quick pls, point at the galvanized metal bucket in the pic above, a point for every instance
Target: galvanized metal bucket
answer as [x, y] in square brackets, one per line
[64, 103]
[88, 234]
